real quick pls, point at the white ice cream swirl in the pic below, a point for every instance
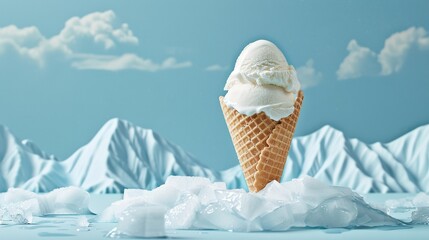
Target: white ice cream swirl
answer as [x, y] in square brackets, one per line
[262, 81]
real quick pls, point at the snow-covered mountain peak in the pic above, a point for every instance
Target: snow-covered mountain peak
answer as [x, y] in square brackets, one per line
[5, 134]
[326, 133]
[32, 147]
[414, 136]
[124, 155]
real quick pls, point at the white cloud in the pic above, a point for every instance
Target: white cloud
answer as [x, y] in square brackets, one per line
[27, 42]
[28, 37]
[171, 63]
[216, 67]
[126, 61]
[397, 46]
[362, 61]
[308, 76]
[99, 28]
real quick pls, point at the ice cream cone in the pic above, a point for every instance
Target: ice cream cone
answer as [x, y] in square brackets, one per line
[261, 144]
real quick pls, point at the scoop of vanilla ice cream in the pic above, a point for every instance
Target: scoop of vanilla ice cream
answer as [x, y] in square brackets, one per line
[262, 81]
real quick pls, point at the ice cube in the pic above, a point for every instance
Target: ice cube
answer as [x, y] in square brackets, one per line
[107, 215]
[420, 216]
[207, 196]
[421, 200]
[333, 213]
[82, 224]
[218, 186]
[247, 205]
[402, 203]
[82, 221]
[201, 221]
[143, 221]
[183, 215]
[295, 186]
[221, 217]
[313, 192]
[276, 192]
[301, 202]
[67, 200]
[2, 214]
[114, 211]
[21, 212]
[187, 184]
[371, 217]
[299, 211]
[14, 195]
[280, 219]
[23, 199]
[164, 195]
[20, 216]
[133, 193]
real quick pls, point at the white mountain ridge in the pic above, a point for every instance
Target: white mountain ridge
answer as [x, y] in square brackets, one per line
[122, 155]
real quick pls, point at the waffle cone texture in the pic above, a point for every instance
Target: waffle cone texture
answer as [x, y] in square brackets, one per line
[261, 144]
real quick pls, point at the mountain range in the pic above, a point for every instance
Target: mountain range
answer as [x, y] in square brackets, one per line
[122, 155]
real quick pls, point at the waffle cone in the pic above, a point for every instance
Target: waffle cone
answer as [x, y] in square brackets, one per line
[261, 144]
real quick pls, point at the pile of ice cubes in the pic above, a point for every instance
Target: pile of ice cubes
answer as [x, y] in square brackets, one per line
[197, 203]
[413, 210]
[19, 206]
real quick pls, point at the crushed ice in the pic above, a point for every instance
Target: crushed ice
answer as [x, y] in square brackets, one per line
[197, 203]
[19, 206]
[140, 221]
[19, 213]
[413, 210]
[82, 224]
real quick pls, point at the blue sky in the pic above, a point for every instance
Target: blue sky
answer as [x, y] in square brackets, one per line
[68, 67]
